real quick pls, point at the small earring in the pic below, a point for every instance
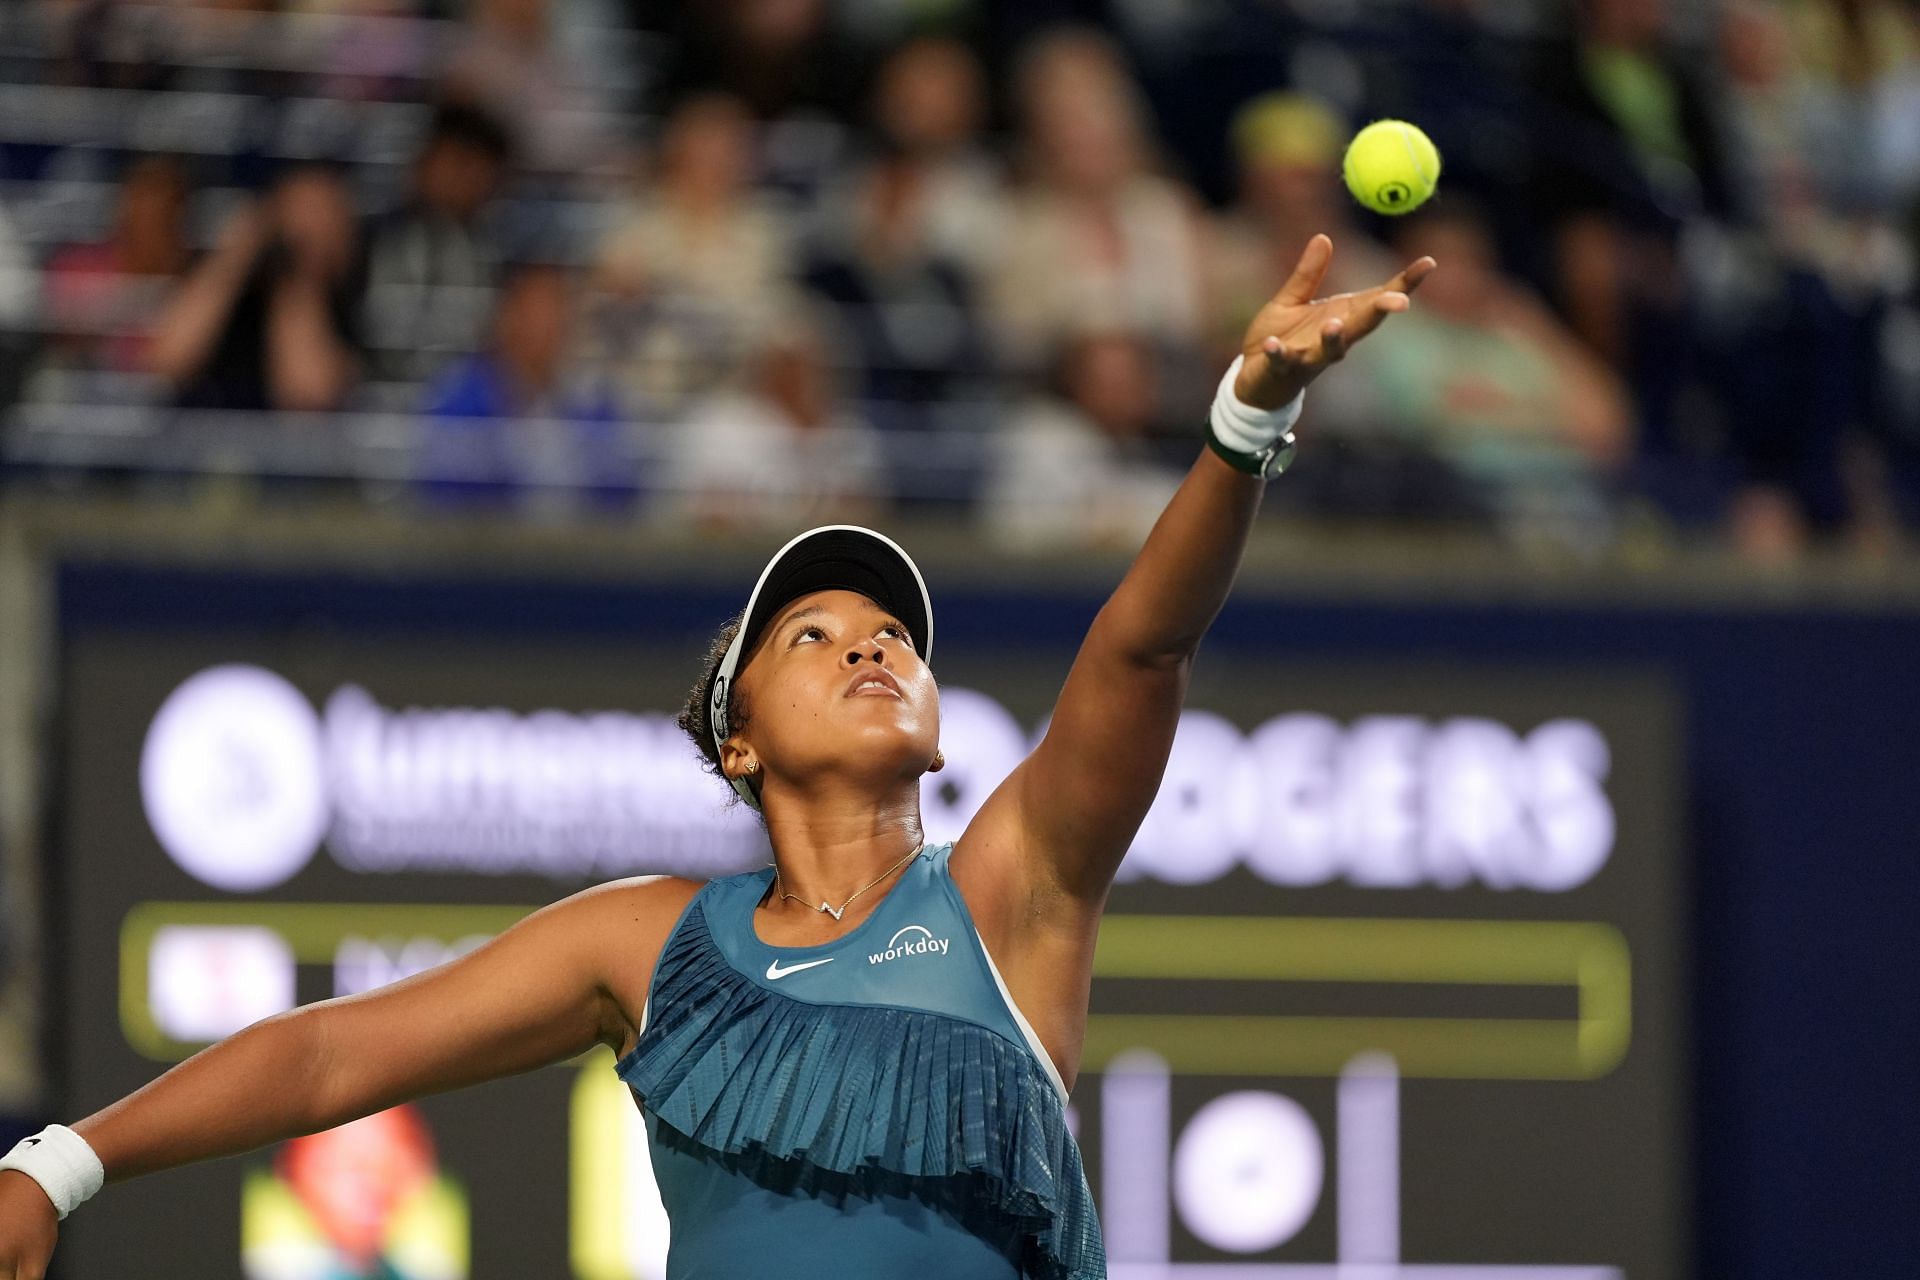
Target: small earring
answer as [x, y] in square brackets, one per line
[939, 760]
[753, 766]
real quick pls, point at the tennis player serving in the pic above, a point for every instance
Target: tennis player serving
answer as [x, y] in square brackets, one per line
[854, 1062]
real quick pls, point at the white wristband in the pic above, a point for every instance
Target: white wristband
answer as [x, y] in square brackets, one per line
[62, 1163]
[1243, 428]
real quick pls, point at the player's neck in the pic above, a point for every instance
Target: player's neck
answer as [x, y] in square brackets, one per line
[829, 847]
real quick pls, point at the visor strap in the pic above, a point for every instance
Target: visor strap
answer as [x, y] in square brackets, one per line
[719, 701]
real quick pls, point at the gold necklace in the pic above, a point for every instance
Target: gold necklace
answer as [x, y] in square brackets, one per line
[824, 908]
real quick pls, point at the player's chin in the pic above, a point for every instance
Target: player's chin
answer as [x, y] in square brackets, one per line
[884, 721]
[891, 731]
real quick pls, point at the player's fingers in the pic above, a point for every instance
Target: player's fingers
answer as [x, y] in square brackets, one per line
[1300, 347]
[1364, 312]
[1409, 279]
[1333, 340]
[1283, 353]
[1312, 268]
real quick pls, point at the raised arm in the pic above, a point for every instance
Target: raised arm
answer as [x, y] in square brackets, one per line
[1064, 819]
[190, 324]
[569, 976]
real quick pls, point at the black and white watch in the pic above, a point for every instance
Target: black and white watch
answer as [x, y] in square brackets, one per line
[1267, 463]
[1257, 441]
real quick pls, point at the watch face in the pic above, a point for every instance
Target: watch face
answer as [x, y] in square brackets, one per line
[1280, 457]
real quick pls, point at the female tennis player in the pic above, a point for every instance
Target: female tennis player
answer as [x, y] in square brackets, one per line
[853, 1063]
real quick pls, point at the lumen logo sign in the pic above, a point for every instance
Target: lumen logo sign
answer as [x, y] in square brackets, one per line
[232, 779]
[459, 789]
[243, 781]
[914, 940]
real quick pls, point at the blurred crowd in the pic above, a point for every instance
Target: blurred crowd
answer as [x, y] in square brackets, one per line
[754, 262]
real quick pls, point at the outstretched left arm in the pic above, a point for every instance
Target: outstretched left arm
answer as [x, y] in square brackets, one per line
[1062, 821]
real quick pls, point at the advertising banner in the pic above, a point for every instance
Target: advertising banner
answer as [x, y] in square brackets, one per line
[1390, 979]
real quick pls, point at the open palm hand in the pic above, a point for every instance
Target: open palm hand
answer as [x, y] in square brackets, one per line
[1296, 336]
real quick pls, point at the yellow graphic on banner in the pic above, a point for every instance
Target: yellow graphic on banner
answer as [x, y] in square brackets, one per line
[1591, 958]
[618, 1225]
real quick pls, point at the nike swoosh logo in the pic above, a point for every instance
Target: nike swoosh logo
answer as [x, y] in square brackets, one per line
[775, 972]
[33, 1142]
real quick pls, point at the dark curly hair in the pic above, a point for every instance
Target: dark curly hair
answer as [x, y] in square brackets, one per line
[693, 718]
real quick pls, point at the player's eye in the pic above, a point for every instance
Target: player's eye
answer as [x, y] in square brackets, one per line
[814, 632]
[898, 632]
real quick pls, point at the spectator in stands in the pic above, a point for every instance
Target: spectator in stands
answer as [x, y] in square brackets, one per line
[1857, 62]
[1631, 152]
[1897, 109]
[1287, 149]
[1074, 468]
[772, 55]
[1768, 135]
[269, 318]
[18, 285]
[781, 452]
[784, 61]
[1094, 231]
[1486, 378]
[18, 279]
[900, 238]
[929, 110]
[1799, 311]
[100, 299]
[432, 264]
[225, 47]
[515, 60]
[698, 264]
[521, 420]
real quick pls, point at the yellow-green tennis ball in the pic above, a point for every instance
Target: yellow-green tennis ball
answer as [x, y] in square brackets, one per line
[1391, 167]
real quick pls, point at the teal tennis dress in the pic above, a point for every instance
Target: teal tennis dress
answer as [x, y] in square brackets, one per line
[873, 1106]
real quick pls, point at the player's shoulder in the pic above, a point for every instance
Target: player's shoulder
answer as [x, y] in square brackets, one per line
[648, 902]
[644, 896]
[640, 906]
[634, 917]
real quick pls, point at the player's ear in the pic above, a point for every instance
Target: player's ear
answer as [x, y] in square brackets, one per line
[737, 759]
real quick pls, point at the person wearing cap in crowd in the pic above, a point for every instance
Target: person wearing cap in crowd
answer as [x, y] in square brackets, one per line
[854, 1061]
[1286, 151]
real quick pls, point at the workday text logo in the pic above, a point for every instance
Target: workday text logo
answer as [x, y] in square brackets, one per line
[914, 940]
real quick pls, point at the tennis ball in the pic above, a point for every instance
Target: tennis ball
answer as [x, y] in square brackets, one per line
[1391, 167]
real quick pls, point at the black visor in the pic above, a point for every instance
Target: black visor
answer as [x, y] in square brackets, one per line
[835, 557]
[842, 558]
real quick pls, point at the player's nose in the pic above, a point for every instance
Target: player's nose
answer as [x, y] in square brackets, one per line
[863, 650]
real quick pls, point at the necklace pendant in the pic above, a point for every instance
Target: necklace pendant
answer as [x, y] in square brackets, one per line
[830, 911]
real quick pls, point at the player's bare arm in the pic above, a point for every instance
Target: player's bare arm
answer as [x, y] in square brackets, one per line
[566, 978]
[1037, 861]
